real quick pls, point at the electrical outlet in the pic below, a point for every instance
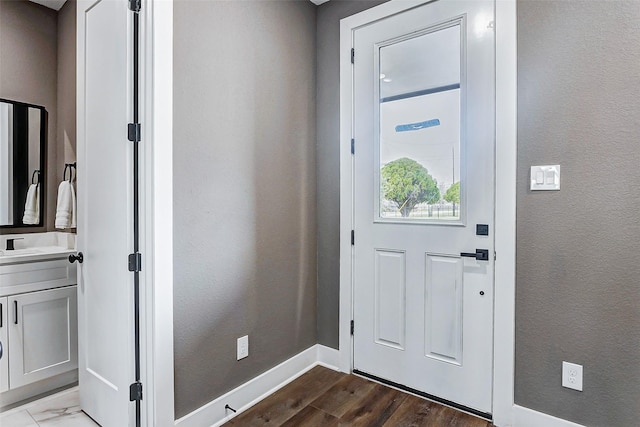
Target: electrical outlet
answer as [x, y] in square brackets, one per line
[243, 347]
[572, 376]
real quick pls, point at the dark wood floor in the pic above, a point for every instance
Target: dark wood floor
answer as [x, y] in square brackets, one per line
[323, 397]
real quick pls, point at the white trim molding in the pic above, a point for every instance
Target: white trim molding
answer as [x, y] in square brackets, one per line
[328, 357]
[505, 213]
[248, 394]
[157, 82]
[525, 417]
[345, 315]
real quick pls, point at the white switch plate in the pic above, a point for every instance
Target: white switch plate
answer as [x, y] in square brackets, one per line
[243, 347]
[572, 376]
[545, 177]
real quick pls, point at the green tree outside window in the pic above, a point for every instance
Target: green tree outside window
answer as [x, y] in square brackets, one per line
[452, 195]
[408, 183]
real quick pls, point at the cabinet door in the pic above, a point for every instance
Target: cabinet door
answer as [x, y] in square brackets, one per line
[43, 334]
[4, 343]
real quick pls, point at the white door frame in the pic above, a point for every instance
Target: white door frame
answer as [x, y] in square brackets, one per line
[156, 35]
[505, 212]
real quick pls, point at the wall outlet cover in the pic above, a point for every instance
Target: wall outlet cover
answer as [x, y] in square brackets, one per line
[243, 347]
[572, 376]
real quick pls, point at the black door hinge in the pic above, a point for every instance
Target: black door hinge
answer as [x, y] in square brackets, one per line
[135, 262]
[352, 327]
[353, 237]
[353, 56]
[135, 5]
[353, 146]
[134, 131]
[135, 392]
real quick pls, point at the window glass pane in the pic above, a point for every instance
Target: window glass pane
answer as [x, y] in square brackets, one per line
[419, 146]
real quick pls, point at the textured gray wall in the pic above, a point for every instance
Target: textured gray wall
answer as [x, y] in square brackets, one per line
[578, 292]
[66, 127]
[244, 191]
[328, 164]
[28, 63]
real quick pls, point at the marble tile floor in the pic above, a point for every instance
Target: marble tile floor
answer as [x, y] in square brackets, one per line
[60, 409]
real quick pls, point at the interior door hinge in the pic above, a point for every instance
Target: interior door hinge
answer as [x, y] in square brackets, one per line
[135, 262]
[352, 327]
[135, 391]
[353, 237]
[353, 146]
[353, 56]
[495, 255]
[135, 5]
[134, 131]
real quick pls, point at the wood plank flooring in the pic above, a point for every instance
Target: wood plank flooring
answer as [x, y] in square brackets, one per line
[323, 397]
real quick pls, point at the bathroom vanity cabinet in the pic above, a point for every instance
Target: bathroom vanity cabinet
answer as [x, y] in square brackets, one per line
[38, 324]
[43, 339]
[4, 340]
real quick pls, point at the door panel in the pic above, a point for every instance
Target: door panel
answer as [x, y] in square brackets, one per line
[424, 177]
[104, 211]
[390, 283]
[443, 308]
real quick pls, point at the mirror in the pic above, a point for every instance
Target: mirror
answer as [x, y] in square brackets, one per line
[23, 133]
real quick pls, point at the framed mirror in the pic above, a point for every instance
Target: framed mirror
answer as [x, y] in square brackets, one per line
[23, 130]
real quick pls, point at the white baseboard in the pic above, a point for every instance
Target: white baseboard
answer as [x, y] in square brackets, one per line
[328, 357]
[248, 394]
[525, 417]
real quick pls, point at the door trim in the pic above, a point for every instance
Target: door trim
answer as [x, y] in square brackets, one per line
[505, 200]
[156, 68]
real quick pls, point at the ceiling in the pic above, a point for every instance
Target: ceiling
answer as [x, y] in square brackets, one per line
[57, 4]
[51, 4]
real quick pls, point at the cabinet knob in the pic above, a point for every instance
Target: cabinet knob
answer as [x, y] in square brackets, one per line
[73, 258]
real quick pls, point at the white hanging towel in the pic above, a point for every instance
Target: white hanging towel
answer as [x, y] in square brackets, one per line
[32, 206]
[66, 210]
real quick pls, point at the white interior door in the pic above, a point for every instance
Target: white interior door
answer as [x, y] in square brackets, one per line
[104, 211]
[424, 196]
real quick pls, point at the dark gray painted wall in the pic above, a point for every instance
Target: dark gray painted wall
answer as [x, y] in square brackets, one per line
[28, 73]
[578, 292]
[328, 163]
[244, 191]
[66, 126]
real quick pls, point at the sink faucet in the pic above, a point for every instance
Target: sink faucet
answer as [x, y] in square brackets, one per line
[11, 241]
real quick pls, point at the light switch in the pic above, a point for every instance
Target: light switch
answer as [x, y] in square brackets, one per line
[550, 177]
[545, 177]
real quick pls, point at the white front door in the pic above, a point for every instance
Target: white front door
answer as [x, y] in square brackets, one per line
[105, 286]
[424, 91]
